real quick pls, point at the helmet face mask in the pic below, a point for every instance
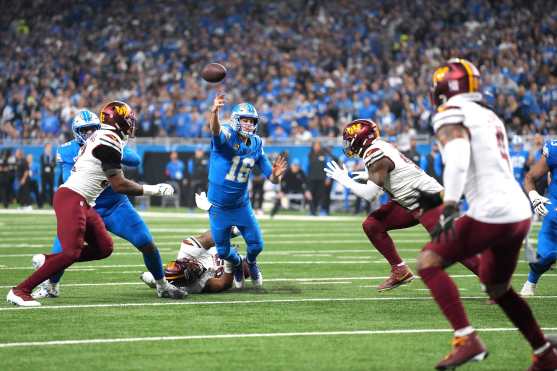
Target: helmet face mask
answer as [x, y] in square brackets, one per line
[239, 114]
[358, 135]
[84, 124]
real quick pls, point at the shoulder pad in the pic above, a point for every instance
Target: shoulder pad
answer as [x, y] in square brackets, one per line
[447, 115]
[373, 154]
[108, 138]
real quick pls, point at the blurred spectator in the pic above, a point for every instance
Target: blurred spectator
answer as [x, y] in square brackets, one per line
[319, 185]
[412, 153]
[23, 180]
[432, 163]
[175, 169]
[198, 168]
[293, 188]
[34, 179]
[47, 166]
[4, 178]
[257, 192]
[306, 60]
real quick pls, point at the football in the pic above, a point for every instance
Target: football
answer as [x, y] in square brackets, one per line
[213, 72]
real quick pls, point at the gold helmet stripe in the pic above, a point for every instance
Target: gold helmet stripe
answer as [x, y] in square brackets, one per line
[472, 80]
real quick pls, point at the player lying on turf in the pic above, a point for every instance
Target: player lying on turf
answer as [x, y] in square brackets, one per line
[391, 171]
[198, 267]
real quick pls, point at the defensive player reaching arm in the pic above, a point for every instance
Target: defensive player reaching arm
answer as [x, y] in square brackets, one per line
[81, 230]
[389, 170]
[235, 150]
[546, 208]
[476, 156]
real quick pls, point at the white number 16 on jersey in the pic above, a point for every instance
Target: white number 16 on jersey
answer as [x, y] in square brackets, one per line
[243, 172]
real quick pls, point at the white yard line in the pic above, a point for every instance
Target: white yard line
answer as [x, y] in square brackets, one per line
[254, 335]
[231, 302]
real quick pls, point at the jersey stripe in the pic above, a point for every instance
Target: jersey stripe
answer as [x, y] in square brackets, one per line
[109, 144]
[374, 157]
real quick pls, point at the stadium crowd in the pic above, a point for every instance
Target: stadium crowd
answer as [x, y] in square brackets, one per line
[308, 66]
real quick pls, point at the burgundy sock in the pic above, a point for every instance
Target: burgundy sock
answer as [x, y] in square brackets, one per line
[445, 293]
[54, 264]
[473, 264]
[382, 242]
[522, 317]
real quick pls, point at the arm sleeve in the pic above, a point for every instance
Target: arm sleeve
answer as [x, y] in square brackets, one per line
[457, 161]
[265, 165]
[110, 157]
[130, 157]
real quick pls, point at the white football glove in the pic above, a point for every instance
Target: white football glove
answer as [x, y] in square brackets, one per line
[161, 189]
[202, 201]
[362, 175]
[340, 174]
[539, 202]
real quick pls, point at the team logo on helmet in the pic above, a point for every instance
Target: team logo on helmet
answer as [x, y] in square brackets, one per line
[119, 116]
[358, 136]
[456, 76]
[83, 124]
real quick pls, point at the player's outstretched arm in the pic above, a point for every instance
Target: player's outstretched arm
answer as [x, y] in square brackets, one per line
[367, 191]
[214, 123]
[540, 169]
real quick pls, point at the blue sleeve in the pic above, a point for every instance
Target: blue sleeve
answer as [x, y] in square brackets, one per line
[265, 165]
[423, 162]
[66, 170]
[223, 137]
[130, 157]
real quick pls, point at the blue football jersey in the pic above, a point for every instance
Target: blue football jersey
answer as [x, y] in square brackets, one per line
[519, 159]
[66, 154]
[230, 167]
[550, 153]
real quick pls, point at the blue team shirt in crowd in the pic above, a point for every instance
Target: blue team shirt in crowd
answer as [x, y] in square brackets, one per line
[519, 160]
[230, 167]
[550, 153]
[66, 155]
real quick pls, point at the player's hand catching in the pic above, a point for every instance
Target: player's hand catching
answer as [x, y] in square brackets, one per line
[538, 203]
[161, 189]
[340, 174]
[445, 225]
[218, 102]
[279, 166]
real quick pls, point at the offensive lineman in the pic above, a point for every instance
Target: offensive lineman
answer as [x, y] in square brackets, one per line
[390, 170]
[81, 231]
[477, 164]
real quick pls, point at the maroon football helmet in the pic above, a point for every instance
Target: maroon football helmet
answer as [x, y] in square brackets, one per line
[358, 135]
[119, 116]
[457, 76]
[183, 272]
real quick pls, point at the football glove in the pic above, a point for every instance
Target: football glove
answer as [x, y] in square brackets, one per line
[360, 175]
[340, 174]
[445, 225]
[202, 201]
[538, 203]
[161, 189]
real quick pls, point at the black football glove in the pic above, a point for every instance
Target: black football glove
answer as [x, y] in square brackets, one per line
[428, 201]
[445, 225]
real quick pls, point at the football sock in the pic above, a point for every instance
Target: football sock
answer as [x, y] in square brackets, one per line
[56, 248]
[464, 331]
[378, 236]
[473, 264]
[153, 262]
[521, 316]
[539, 268]
[445, 293]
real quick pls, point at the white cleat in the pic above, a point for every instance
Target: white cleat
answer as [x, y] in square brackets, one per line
[256, 275]
[529, 289]
[169, 291]
[21, 299]
[46, 289]
[148, 279]
[239, 279]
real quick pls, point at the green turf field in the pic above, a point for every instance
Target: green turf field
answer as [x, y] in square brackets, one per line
[319, 309]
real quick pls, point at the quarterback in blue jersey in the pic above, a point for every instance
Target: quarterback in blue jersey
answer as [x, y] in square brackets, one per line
[547, 237]
[235, 150]
[115, 209]
[519, 159]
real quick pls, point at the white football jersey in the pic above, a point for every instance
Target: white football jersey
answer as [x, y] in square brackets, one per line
[494, 196]
[87, 177]
[213, 265]
[405, 179]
